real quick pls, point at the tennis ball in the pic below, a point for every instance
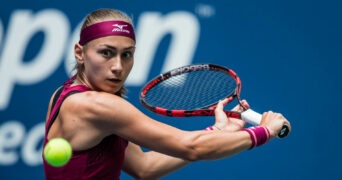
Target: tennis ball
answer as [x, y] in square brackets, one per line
[57, 152]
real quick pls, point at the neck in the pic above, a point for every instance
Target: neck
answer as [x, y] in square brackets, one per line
[81, 79]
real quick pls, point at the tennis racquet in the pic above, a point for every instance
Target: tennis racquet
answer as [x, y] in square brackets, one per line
[195, 90]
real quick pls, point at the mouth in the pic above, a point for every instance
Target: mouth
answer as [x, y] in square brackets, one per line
[115, 80]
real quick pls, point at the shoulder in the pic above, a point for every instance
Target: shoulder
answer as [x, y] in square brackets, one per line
[108, 113]
[91, 99]
[97, 106]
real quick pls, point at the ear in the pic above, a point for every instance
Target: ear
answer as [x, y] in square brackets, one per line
[78, 51]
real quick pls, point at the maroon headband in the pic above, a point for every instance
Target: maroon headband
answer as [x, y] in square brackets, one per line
[106, 28]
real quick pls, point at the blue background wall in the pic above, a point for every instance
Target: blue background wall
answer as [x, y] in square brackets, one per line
[287, 54]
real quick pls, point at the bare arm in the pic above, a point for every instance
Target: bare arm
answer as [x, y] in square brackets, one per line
[114, 115]
[153, 165]
[171, 148]
[150, 165]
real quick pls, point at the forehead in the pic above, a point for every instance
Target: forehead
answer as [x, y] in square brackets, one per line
[114, 41]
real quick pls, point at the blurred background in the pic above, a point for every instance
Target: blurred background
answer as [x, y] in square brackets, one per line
[287, 54]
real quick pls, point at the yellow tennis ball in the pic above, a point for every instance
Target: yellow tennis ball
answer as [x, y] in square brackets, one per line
[57, 152]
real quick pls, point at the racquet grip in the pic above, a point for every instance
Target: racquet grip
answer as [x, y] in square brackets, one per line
[254, 118]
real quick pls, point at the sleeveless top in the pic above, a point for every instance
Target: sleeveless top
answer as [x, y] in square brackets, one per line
[103, 161]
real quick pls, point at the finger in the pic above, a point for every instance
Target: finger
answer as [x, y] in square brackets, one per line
[224, 101]
[221, 104]
[240, 107]
[245, 104]
[288, 124]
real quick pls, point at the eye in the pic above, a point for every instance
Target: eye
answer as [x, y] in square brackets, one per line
[107, 53]
[127, 55]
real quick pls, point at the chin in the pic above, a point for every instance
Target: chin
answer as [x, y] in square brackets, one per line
[112, 90]
[108, 89]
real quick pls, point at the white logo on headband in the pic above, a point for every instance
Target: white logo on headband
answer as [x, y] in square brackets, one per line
[119, 28]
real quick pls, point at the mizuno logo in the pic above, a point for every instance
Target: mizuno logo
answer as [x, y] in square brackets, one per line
[119, 28]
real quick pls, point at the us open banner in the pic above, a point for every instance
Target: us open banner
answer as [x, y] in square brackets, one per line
[287, 54]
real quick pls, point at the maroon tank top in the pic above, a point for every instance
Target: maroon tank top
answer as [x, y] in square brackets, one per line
[104, 161]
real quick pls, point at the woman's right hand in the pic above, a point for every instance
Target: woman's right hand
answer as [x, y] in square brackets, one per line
[274, 122]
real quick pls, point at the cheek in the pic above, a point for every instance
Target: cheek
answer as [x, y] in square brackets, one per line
[94, 70]
[93, 63]
[91, 67]
[129, 68]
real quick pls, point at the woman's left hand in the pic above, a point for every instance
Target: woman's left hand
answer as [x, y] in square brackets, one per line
[222, 122]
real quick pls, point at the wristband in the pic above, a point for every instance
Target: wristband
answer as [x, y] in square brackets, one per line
[212, 128]
[259, 135]
[209, 128]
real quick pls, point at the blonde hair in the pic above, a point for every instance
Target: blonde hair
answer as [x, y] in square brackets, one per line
[103, 15]
[99, 16]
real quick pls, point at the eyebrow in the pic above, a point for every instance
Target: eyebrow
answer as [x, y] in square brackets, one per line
[114, 48]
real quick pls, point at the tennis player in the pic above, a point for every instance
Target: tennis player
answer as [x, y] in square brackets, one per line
[106, 132]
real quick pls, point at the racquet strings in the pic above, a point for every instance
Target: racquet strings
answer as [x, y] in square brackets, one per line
[191, 90]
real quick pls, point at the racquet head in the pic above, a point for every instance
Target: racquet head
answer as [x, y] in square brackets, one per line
[195, 90]
[192, 90]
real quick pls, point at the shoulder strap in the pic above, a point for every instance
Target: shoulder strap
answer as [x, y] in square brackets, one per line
[61, 94]
[57, 94]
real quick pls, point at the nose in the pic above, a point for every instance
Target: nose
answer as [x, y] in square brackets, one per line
[116, 66]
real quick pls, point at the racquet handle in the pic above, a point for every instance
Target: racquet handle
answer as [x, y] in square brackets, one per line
[254, 118]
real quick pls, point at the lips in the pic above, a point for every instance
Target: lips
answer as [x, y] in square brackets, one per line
[115, 80]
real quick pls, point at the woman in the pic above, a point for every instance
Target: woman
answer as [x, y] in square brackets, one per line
[106, 132]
